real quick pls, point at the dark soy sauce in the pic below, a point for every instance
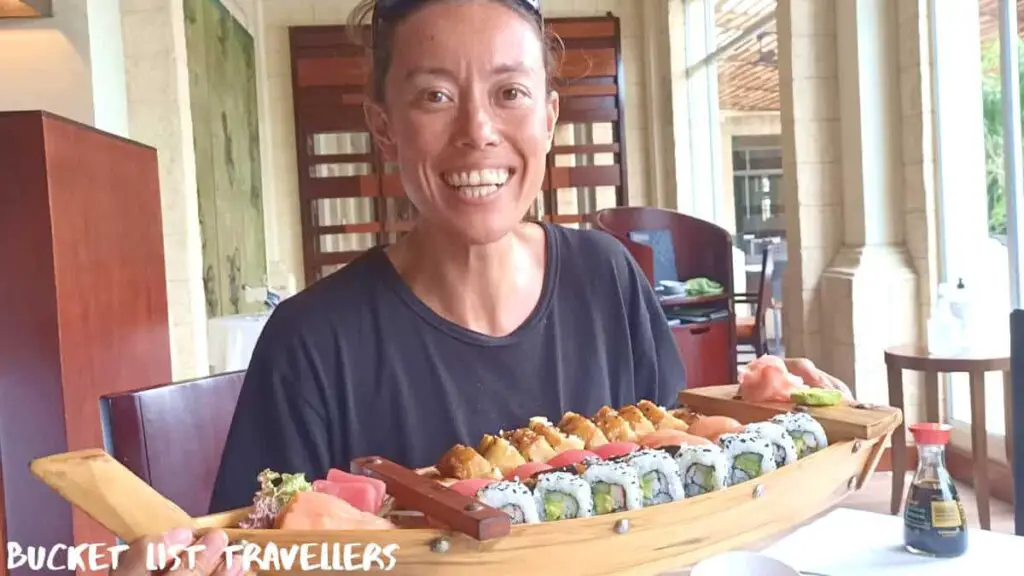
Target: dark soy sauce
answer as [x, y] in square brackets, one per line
[934, 521]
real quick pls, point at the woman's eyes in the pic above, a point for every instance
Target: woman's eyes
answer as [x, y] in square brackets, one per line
[512, 94]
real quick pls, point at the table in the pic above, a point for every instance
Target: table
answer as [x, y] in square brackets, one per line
[231, 340]
[847, 542]
[707, 341]
[902, 358]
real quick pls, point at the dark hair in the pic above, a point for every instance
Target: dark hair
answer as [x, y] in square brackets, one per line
[381, 38]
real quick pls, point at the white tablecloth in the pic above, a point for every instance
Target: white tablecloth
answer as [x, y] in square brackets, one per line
[232, 340]
[848, 542]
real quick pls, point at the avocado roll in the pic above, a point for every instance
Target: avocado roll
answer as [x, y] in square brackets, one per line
[748, 456]
[659, 476]
[782, 443]
[807, 433]
[702, 469]
[615, 486]
[562, 496]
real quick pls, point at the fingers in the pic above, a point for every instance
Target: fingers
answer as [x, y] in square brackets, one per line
[208, 560]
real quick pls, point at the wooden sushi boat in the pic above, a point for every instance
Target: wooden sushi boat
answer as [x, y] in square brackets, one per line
[461, 536]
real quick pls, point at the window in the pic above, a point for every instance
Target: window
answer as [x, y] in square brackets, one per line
[976, 225]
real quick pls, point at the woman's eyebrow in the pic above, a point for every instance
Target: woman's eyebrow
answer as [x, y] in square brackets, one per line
[498, 70]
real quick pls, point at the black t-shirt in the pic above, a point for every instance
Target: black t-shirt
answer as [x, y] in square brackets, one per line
[356, 365]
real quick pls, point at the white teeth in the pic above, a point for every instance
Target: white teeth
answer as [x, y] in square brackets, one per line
[477, 178]
[476, 191]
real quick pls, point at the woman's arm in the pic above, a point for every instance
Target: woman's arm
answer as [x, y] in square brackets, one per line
[280, 421]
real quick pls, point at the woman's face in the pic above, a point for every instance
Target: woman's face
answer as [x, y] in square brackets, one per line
[467, 116]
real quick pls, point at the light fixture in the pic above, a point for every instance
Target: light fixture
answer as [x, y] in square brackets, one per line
[26, 8]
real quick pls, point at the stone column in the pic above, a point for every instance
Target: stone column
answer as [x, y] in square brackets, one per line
[869, 290]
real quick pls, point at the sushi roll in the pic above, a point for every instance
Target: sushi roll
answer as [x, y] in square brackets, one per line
[614, 426]
[702, 469]
[615, 487]
[807, 433]
[512, 498]
[782, 442]
[562, 496]
[576, 425]
[747, 455]
[559, 441]
[659, 476]
[636, 419]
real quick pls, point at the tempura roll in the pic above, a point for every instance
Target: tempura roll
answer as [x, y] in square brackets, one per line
[560, 441]
[640, 424]
[532, 446]
[576, 425]
[462, 462]
[500, 454]
[615, 427]
[661, 418]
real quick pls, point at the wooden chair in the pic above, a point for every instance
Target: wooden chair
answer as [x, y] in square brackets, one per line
[1015, 412]
[750, 330]
[172, 435]
[702, 249]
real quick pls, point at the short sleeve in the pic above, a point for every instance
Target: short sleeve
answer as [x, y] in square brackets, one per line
[280, 421]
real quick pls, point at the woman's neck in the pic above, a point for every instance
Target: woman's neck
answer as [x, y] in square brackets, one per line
[491, 289]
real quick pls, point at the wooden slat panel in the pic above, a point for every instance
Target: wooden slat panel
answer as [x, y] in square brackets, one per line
[315, 159]
[332, 258]
[566, 218]
[582, 63]
[341, 187]
[586, 149]
[590, 103]
[391, 186]
[574, 90]
[583, 28]
[336, 118]
[575, 176]
[587, 116]
[333, 71]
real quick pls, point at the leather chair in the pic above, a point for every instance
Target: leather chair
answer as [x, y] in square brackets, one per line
[172, 435]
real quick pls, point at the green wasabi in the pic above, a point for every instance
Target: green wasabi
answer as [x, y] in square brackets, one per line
[816, 397]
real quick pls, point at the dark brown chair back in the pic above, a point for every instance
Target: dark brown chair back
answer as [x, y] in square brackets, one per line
[172, 435]
[702, 249]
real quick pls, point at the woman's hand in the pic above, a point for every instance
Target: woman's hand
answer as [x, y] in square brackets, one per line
[209, 561]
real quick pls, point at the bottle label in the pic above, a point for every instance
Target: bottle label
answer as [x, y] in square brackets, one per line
[946, 514]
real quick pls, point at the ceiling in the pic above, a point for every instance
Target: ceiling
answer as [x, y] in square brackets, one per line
[747, 78]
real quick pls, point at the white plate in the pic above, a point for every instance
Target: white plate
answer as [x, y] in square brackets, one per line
[742, 564]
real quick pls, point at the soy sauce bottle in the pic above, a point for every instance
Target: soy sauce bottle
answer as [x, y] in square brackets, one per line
[934, 523]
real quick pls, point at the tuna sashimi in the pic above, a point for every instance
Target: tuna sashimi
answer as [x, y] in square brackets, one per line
[361, 496]
[615, 449]
[528, 470]
[379, 487]
[570, 458]
[669, 437]
[470, 486]
[323, 511]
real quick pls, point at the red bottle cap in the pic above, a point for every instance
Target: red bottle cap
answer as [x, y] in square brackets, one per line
[931, 433]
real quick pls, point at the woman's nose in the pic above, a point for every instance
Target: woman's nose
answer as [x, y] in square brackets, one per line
[476, 126]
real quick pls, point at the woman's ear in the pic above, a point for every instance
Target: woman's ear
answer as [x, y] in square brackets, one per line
[380, 129]
[552, 116]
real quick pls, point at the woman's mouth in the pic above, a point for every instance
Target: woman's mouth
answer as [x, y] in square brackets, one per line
[477, 184]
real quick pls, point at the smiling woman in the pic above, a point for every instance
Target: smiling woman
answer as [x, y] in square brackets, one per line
[476, 320]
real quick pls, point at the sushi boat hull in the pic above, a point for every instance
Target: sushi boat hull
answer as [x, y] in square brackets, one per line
[651, 540]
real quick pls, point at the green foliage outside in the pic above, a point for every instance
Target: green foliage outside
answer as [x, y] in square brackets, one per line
[992, 103]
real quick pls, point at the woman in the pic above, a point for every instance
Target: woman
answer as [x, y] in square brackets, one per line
[475, 320]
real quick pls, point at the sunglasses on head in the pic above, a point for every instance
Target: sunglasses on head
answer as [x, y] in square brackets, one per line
[385, 10]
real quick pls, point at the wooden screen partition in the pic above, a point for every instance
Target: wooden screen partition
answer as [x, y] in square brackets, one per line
[352, 200]
[85, 305]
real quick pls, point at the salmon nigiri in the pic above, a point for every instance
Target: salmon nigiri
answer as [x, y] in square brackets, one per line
[711, 427]
[669, 437]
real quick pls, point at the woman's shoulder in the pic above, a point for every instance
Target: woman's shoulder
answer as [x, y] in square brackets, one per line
[338, 299]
